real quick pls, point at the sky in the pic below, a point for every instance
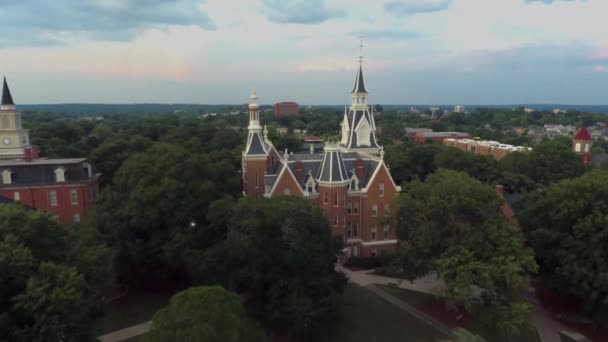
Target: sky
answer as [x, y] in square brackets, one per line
[215, 51]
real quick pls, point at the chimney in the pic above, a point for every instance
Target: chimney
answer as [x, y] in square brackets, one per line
[500, 191]
[359, 167]
[298, 170]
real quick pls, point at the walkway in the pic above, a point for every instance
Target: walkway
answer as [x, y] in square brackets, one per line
[427, 284]
[126, 333]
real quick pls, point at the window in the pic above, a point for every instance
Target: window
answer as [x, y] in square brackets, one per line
[60, 175]
[374, 231]
[586, 147]
[336, 220]
[349, 208]
[381, 190]
[386, 230]
[387, 209]
[353, 186]
[257, 182]
[286, 192]
[374, 210]
[73, 196]
[325, 197]
[76, 218]
[7, 177]
[53, 198]
[356, 208]
[336, 199]
[344, 200]
[577, 147]
[350, 229]
[16, 196]
[356, 229]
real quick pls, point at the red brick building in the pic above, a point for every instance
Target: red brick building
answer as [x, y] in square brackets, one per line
[581, 144]
[66, 188]
[286, 108]
[349, 181]
[485, 147]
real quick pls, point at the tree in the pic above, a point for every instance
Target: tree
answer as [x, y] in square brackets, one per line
[452, 224]
[566, 223]
[463, 335]
[279, 254]
[209, 314]
[553, 161]
[49, 277]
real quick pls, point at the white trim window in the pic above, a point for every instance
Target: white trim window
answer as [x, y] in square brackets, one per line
[374, 232]
[76, 218]
[53, 198]
[336, 199]
[356, 208]
[7, 177]
[336, 220]
[387, 208]
[73, 197]
[386, 230]
[60, 175]
[325, 197]
[374, 210]
[381, 190]
[16, 196]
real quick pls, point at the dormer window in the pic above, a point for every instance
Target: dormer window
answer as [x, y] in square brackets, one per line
[311, 186]
[354, 183]
[60, 175]
[7, 177]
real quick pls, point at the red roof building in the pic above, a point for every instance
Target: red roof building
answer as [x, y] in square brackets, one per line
[581, 144]
[286, 108]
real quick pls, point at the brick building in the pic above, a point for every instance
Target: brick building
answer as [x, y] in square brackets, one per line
[581, 144]
[66, 188]
[286, 108]
[485, 147]
[349, 180]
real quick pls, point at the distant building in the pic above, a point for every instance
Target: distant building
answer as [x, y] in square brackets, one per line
[552, 131]
[410, 132]
[458, 109]
[286, 108]
[421, 137]
[66, 188]
[485, 147]
[581, 144]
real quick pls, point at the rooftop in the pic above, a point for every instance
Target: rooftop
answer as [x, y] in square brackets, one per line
[42, 161]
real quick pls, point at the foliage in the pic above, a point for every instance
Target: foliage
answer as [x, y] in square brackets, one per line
[566, 223]
[279, 253]
[50, 277]
[209, 314]
[463, 335]
[553, 161]
[452, 224]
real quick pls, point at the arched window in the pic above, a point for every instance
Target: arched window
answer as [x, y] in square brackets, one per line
[577, 147]
[374, 210]
[7, 177]
[586, 147]
[59, 175]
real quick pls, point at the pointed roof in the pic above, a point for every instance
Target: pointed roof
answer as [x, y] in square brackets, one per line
[582, 134]
[7, 99]
[332, 166]
[359, 86]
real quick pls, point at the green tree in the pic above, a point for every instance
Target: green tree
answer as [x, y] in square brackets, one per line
[209, 314]
[452, 224]
[279, 253]
[463, 335]
[566, 223]
[553, 161]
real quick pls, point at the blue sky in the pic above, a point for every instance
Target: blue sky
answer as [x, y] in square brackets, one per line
[214, 51]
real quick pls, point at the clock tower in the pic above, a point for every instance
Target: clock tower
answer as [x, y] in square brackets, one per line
[14, 140]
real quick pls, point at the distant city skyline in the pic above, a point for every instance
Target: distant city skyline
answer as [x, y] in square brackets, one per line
[214, 51]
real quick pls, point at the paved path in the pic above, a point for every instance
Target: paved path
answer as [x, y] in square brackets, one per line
[126, 333]
[428, 284]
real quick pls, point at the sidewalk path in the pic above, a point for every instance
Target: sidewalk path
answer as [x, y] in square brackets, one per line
[126, 333]
[426, 284]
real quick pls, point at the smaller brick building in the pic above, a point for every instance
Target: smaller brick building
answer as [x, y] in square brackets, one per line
[485, 147]
[66, 188]
[421, 137]
[286, 108]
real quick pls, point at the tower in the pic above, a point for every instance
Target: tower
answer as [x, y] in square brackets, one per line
[358, 124]
[333, 181]
[14, 140]
[581, 144]
[255, 157]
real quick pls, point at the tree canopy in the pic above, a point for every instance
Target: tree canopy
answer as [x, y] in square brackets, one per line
[204, 313]
[452, 224]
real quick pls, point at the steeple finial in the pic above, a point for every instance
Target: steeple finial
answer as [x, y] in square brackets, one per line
[253, 95]
[359, 86]
[265, 133]
[361, 50]
[7, 98]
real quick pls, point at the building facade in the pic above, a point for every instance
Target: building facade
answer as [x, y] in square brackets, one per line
[422, 137]
[348, 180]
[66, 188]
[286, 108]
[485, 147]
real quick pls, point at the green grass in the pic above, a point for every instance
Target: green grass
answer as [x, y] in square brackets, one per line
[489, 334]
[369, 318]
[133, 308]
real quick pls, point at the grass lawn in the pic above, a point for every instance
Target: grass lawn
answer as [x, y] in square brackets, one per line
[133, 308]
[418, 300]
[369, 318]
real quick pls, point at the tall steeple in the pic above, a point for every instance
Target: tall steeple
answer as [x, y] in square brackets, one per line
[359, 93]
[256, 145]
[7, 98]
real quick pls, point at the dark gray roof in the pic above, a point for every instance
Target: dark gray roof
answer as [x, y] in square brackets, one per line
[256, 144]
[359, 86]
[38, 173]
[332, 167]
[269, 180]
[7, 99]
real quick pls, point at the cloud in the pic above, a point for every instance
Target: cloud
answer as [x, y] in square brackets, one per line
[599, 68]
[41, 22]
[411, 7]
[387, 34]
[548, 2]
[300, 11]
